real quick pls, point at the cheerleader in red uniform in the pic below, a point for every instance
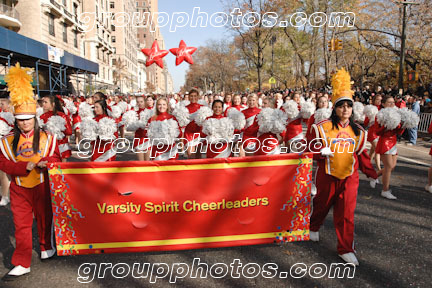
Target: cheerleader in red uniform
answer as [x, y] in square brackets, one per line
[250, 132]
[218, 130]
[236, 104]
[322, 103]
[141, 142]
[271, 123]
[294, 129]
[371, 126]
[227, 102]
[76, 122]
[386, 147]
[163, 131]
[52, 122]
[103, 147]
[192, 130]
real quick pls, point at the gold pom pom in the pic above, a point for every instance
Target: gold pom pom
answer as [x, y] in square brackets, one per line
[19, 85]
[341, 82]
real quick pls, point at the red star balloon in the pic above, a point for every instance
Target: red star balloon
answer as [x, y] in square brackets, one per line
[155, 55]
[183, 53]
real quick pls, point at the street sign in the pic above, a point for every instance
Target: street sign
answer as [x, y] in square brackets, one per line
[272, 80]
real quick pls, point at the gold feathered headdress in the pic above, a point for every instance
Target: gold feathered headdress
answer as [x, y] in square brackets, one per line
[18, 81]
[341, 83]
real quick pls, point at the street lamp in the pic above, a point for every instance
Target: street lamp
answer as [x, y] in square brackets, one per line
[402, 51]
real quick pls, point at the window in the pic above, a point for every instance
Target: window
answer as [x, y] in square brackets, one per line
[112, 5]
[113, 39]
[64, 3]
[64, 32]
[75, 39]
[51, 24]
[112, 27]
[75, 9]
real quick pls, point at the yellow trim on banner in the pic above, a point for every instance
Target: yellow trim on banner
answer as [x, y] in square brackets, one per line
[185, 241]
[181, 167]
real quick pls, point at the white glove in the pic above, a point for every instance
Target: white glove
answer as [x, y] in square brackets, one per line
[326, 151]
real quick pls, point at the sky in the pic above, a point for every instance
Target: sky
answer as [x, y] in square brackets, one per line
[193, 36]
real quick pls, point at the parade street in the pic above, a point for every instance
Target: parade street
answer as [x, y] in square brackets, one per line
[393, 240]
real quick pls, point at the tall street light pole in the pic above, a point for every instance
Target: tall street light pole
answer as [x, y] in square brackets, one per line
[402, 50]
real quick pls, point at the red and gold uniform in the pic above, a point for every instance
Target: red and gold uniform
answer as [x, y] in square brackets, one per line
[337, 179]
[29, 191]
[63, 143]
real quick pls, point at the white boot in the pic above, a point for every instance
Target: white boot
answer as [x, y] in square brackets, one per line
[428, 188]
[15, 273]
[4, 201]
[313, 190]
[314, 236]
[350, 258]
[387, 194]
[47, 254]
[373, 182]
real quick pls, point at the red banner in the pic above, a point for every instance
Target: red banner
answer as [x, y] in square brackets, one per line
[174, 205]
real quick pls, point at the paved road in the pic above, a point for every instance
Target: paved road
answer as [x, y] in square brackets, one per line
[393, 238]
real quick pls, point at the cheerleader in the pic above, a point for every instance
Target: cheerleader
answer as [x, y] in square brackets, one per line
[227, 102]
[244, 102]
[163, 131]
[322, 103]
[294, 129]
[24, 156]
[192, 131]
[137, 122]
[56, 122]
[371, 126]
[250, 132]
[386, 145]
[236, 104]
[7, 121]
[149, 102]
[218, 131]
[271, 123]
[337, 178]
[122, 107]
[102, 132]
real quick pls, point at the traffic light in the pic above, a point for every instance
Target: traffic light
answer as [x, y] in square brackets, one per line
[339, 44]
[412, 77]
[331, 45]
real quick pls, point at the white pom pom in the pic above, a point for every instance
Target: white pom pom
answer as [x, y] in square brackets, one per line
[202, 114]
[307, 110]
[9, 117]
[144, 117]
[322, 114]
[291, 109]
[184, 103]
[409, 118]
[39, 111]
[173, 103]
[123, 106]
[302, 100]
[218, 130]
[358, 112]
[106, 128]
[4, 128]
[56, 125]
[129, 117]
[389, 118]
[182, 115]
[70, 106]
[116, 111]
[89, 129]
[279, 121]
[265, 120]
[370, 111]
[85, 111]
[238, 118]
[202, 102]
[163, 132]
